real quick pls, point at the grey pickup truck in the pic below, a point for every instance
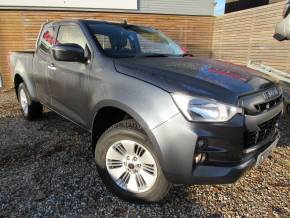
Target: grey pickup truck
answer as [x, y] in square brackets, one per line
[157, 116]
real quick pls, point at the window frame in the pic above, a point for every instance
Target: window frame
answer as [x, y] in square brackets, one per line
[89, 47]
[74, 25]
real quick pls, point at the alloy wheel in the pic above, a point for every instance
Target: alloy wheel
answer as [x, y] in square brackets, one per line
[131, 166]
[23, 101]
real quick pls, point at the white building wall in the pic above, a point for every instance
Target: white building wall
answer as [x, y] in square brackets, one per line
[184, 7]
[188, 7]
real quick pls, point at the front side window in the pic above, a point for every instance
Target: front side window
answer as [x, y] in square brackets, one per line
[131, 41]
[46, 39]
[71, 34]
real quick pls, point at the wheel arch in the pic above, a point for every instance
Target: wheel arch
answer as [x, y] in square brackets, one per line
[17, 81]
[129, 114]
[22, 78]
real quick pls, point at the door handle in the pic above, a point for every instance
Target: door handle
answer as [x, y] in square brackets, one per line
[51, 67]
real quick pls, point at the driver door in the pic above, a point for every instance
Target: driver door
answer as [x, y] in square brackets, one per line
[67, 80]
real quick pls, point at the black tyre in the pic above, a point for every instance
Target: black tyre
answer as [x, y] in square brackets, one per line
[128, 166]
[31, 110]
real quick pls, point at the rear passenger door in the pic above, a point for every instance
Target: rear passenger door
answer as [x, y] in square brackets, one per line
[67, 80]
[41, 63]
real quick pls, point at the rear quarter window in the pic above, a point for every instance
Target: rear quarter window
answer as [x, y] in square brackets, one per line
[46, 39]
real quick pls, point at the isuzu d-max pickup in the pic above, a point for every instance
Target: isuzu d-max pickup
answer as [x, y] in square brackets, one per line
[157, 116]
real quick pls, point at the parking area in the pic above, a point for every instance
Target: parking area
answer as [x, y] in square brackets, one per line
[47, 169]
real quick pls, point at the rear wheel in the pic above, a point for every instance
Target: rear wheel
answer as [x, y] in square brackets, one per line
[31, 110]
[128, 165]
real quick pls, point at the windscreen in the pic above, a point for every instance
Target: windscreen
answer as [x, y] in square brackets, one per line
[131, 41]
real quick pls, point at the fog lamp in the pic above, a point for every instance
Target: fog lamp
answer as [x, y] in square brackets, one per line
[199, 158]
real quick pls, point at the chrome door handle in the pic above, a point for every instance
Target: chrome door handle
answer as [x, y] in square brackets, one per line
[51, 67]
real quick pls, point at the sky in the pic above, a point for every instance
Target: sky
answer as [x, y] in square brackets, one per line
[220, 7]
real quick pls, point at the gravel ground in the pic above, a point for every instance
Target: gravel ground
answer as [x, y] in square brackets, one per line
[47, 170]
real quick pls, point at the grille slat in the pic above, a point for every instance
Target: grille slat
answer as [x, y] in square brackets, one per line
[268, 105]
[266, 129]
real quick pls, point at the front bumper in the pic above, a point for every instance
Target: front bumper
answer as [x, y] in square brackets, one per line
[227, 157]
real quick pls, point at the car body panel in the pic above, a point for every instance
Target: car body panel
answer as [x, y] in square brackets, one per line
[21, 64]
[210, 78]
[130, 94]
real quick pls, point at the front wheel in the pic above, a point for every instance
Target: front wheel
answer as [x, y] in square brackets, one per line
[31, 110]
[128, 165]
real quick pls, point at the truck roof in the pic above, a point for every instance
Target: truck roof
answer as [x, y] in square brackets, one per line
[86, 21]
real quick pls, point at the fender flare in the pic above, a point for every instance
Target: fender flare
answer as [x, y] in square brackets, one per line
[141, 121]
[28, 83]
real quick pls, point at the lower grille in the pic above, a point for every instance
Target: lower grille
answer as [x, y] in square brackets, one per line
[266, 129]
[268, 105]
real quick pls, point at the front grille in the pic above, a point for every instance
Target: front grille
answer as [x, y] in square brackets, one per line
[266, 129]
[268, 105]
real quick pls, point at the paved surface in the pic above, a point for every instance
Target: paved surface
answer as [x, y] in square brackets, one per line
[47, 170]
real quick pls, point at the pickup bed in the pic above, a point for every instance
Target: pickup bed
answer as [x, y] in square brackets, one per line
[156, 115]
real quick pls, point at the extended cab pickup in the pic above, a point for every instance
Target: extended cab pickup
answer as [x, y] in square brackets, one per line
[157, 116]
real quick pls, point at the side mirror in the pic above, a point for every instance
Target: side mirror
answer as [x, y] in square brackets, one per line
[68, 52]
[282, 31]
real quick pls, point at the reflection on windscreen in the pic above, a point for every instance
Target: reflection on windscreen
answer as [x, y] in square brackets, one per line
[129, 41]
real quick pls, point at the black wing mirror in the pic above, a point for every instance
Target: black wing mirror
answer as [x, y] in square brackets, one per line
[69, 52]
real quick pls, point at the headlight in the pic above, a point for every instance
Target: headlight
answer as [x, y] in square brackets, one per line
[204, 110]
